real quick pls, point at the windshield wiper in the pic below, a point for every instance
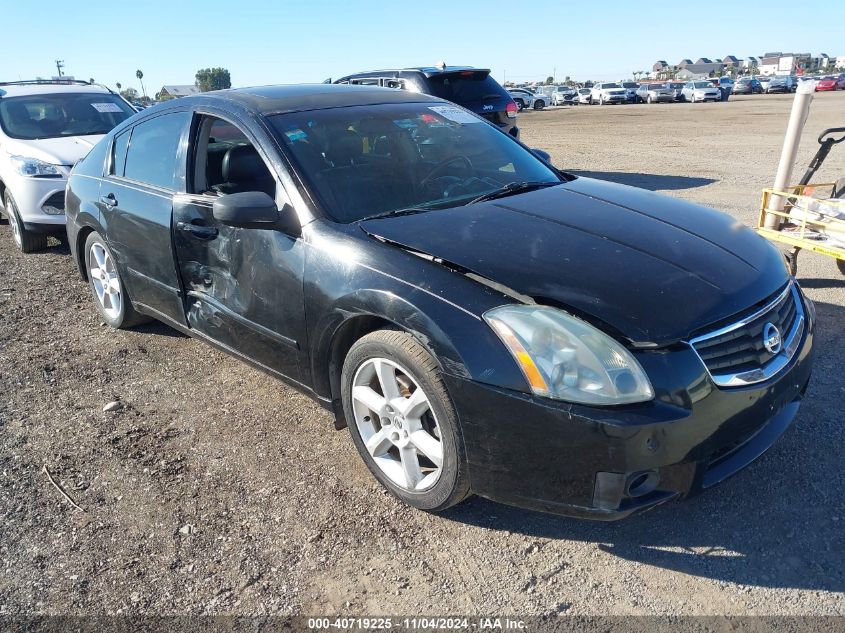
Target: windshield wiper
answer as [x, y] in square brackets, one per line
[397, 212]
[511, 189]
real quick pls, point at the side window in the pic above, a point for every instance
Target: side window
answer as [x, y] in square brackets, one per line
[366, 81]
[226, 161]
[118, 153]
[151, 158]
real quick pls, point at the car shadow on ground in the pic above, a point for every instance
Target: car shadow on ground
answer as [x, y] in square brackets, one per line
[778, 523]
[652, 182]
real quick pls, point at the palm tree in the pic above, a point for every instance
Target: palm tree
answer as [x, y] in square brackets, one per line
[140, 77]
[118, 86]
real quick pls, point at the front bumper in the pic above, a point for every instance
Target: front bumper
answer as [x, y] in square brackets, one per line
[582, 461]
[31, 195]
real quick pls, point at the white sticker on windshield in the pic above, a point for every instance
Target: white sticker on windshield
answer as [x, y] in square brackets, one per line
[455, 114]
[106, 107]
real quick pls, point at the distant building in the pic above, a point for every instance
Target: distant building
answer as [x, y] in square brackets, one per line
[840, 61]
[659, 66]
[684, 63]
[704, 60]
[700, 71]
[730, 60]
[175, 92]
[784, 63]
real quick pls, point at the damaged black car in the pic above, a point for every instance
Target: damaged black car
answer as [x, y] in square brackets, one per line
[482, 322]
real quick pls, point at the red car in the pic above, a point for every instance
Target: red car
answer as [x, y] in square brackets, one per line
[830, 83]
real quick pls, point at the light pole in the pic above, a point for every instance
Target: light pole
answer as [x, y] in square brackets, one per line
[60, 63]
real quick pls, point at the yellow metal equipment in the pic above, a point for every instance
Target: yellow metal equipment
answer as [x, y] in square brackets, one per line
[812, 216]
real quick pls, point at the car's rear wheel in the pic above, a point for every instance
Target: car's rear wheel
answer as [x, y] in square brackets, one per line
[402, 420]
[110, 295]
[649, 99]
[539, 104]
[25, 240]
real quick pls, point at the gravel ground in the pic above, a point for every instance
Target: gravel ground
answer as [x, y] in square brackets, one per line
[215, 489]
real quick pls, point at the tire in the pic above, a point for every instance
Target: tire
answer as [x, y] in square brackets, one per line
[26, 241]
[405, 364]
[120, 313]
[539, 104]
[520, 104]
[649, 99]
[601, 100]
[840, 264]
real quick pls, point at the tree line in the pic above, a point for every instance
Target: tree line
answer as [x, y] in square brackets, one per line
[206, 79]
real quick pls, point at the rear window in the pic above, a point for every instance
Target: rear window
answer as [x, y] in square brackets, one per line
[465, 86]
[56, 115]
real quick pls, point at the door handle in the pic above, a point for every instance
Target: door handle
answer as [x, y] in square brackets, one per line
[197, 230]
[109, 200]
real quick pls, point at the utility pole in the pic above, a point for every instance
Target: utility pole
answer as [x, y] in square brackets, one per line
[60, 63]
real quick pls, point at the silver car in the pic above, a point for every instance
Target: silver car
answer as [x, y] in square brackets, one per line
[677, 88]
[698, 91]
[563, 95]
[654, 93]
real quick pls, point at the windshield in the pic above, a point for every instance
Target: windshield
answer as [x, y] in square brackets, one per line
[702, 84]
[605, 86]
[55, 115]
[630, 84]
[675, 86]
[655, 87]
[369, 160]
[584, 91]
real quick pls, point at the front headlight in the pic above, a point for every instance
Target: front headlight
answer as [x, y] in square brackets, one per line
[565, 358]
[34, 168]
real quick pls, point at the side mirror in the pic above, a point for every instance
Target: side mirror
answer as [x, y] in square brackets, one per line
[247, 210]
[542, 155]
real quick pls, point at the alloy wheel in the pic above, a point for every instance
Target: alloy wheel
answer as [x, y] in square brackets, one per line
[397, 424]
[105, 280]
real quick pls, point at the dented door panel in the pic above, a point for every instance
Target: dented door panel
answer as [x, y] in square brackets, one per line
[243, 287]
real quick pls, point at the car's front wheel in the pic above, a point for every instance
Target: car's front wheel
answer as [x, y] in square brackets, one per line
[110, 295]
[539, 104]
[402, 420]
[25, 240]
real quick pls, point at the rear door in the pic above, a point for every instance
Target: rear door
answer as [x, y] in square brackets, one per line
[243, 286]
[136, 205]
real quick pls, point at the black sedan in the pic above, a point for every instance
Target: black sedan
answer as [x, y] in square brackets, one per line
[482, 322]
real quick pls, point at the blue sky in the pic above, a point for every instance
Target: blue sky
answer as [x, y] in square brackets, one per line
[310, 40]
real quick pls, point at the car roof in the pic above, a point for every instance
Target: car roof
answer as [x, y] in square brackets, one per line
[268, 100]
[24, 88]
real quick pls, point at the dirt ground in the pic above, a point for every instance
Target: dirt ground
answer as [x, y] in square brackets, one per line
[218, 490]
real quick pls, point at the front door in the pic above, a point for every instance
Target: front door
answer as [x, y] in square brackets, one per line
[243, 286]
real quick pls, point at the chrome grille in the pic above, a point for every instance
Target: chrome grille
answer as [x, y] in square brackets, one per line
[737, 355]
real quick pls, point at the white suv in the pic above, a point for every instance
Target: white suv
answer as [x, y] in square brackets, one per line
[45, 128]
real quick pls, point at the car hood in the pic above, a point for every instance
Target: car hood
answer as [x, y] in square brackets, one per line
[57, 151]
[649, 268]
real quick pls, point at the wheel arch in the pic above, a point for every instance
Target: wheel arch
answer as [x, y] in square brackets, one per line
[361, 313]
[87, 223]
